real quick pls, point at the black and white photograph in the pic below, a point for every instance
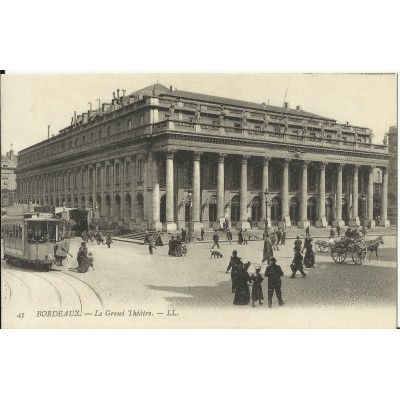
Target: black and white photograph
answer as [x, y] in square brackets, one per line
[199, 200]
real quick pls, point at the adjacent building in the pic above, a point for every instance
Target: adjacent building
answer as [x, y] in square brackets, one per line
[8, 178]
[159, 158]
[392, 184]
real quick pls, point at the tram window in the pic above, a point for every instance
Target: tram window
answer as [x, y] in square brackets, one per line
[37, 232]
[52, 232]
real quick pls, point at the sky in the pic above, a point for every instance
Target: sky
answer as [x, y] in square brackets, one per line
[31, 102]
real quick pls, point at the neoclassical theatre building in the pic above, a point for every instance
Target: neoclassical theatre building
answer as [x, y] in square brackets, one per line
[159, 158]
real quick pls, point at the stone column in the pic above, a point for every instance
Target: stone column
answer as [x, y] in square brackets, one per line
[112, 190]
[170, 224]
[265, 217]
[243, 223]
[197, 225]
[221, 186]
[370, 197]
[321, 223]
[339, 194]
[355, 220]
[285, 194]
[304, 222]
[156, 224]
[384, 219]
[133, 185]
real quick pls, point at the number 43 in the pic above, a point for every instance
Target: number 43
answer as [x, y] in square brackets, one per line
[20, 315]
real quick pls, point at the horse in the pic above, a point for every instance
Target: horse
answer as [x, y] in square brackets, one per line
[372, 245]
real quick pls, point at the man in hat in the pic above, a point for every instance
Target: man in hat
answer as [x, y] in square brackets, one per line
[274, 273]
[234, 264]
[297, 244]
[267, 251]
[297, 264]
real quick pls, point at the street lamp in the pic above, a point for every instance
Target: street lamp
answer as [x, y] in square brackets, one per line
[364, 209]
[266, 195]
[190, 228]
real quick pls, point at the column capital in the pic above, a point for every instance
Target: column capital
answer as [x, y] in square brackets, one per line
[356, 167]
[286, 162]
[267, 160]
[170, 153]
[384, 170]
[245, 158]
[323, 165]
[370, 168]
[305, 164]
[221, 157]
[340, 166]
[197, 155]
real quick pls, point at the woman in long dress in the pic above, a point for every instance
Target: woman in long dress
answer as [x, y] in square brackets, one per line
[81, 257]
[159, 241]
[171, 246]
[309, 257]
[242, 292]
[256, 291]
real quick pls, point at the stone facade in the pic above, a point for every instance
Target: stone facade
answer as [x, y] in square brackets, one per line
[392, 183]
[8, 178]
[158, 158]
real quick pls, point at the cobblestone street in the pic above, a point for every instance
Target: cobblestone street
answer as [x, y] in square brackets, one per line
[127, 277]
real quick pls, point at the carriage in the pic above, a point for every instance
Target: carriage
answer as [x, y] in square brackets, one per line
[356, 248]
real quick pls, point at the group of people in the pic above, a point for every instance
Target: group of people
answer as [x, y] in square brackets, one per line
[84, 258]
[96, 236]
[241, 279]
[176, 246]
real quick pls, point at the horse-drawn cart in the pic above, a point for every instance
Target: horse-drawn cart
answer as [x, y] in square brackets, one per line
[347, 246]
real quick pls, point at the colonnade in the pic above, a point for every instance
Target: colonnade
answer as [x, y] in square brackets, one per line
[119, 177]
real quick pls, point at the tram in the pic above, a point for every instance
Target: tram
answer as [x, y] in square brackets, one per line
[30, 238]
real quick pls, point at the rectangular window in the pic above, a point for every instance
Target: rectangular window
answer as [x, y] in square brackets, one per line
[98, 172]
[277, 129]
[91, 177]
[235, 175]
[237, 125]
[256, 177]
[107, 175]
[127, 171]
[109, 130]
[257, 127]
[117, 172]
[140, 170]
[118, 127]
[129, 124]
[99, 134]
[213, 173]
[83, 139]
[142, 120]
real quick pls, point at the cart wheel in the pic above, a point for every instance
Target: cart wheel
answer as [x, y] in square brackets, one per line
[319, 247]
[359, 255]
[339, 255]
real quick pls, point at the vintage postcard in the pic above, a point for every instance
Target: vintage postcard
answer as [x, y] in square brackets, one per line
[199, 200]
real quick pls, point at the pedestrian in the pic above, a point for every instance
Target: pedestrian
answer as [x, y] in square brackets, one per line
[274, 273]
[331, 233]
[278, 236]
[297, 265]
[151, 244]
[81, 258]
[159, 241]
[84, 237]
[215, 239]
[183, 235]
[171, 246]
[297, 244]
[256, 291]
[61, 250]
[245, 237]
[90, 236]
[228, 237]
[240, 236]
[283, 238]
[202, 234]
[224, 226]
[108, 240]
[178, 246]
[363, 230]
[309, 257]
[267, 251]
[100, 238]
[242, 292]
[274, 240]
[348, 233]
[234, 264]
[146, 237]
[338, 230]
[308, 230]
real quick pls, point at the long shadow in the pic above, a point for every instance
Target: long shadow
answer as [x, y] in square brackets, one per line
[199, 296]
